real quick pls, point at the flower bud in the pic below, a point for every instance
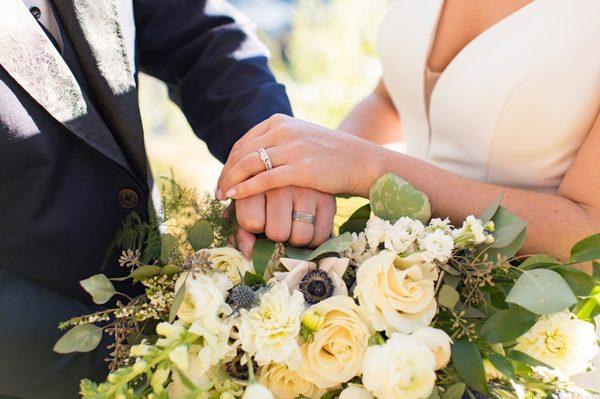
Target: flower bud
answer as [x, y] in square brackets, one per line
[140, 366]
[313, 320]
[227, 395]
[257, 391]
[490, 226]
[139, 350]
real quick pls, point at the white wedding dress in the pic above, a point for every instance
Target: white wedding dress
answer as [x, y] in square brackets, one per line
[513, 107]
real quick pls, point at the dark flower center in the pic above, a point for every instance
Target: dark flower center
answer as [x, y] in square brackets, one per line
[236, 369]
[316, 286]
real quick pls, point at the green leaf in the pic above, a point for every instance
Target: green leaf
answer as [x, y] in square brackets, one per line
[170, 269]
[580, 282]
[596, 270]
[357, 222]
[253, 279]
[587, 309]
[541, 291]
[177, 300]
[201, 235]
[503, 365]
[145, 272]
[509, 250]
[99, 287]
[507, 227]
[448, 296]
[525, 358]
[489, 213]
[393, 197]
[508, 325]
[261, 254]
[168, 242]
[455, 391]
[81, 338]
[586, 250]
[435, 394]
[469, 364]
[335, 244]
[537, 261]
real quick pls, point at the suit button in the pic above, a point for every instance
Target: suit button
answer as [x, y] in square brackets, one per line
[128, 198]
[36, 12]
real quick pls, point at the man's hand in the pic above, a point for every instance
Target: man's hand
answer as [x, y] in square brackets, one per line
[271, 213]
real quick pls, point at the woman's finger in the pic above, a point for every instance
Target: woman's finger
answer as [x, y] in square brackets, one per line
[325, 214]
[256, 131]
[302, 232]
[278, 177]
[279, 215]
[252, 165]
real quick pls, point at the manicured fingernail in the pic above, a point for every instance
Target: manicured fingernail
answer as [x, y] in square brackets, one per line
[230, 193]
[219, 194]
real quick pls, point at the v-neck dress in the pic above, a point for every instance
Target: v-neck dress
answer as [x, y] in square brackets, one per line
[513, 107]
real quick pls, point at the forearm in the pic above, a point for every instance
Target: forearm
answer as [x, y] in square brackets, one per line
[555, 222]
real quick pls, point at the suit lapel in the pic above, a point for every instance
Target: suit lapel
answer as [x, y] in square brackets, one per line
[96, 34]
[34, 63]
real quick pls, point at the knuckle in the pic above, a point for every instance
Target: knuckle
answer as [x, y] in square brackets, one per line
[276, 234]
[252, 224]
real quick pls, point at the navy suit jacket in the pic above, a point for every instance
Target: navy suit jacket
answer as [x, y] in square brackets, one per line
[72, 157]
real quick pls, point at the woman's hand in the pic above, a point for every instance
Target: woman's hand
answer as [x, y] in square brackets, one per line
[302, 154]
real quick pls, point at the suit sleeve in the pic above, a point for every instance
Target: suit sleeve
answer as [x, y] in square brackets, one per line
[29, 318]
[214, 65]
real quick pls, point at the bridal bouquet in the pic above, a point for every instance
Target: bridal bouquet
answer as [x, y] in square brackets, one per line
[397, 306]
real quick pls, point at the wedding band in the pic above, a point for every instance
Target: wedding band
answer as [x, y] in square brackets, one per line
[304, 217]
[264, 157]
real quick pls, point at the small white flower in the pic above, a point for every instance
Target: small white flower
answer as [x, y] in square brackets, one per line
[439, 224]
[269, 331]
[403, 234]
[257, 391]
[179, 357]
[376, 231]
[471, 232]
[436, 245]
[169, 332]
[360, 249]
[561, 341]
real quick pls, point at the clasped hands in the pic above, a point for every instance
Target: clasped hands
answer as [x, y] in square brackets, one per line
[306, 165]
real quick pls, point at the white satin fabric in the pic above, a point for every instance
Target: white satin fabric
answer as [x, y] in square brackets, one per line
[514, 106]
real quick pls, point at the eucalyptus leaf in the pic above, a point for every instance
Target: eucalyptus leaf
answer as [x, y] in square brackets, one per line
[541, 291]
[99, 287]
[177, 301]
[201, 235]
[503, 365]
[168, 242]
[455, 391]
[448, 297]
[333, 245]
[537, 261]
[81, 338]
[357, 222]
[586, 250]
[508, 251]
[261, 255]
[507, 227]
[469, 364]
[580, 282]
[393, 197]
[525, 358]
[145, 272]
[489, 213]
[508, 325]
[596, 270]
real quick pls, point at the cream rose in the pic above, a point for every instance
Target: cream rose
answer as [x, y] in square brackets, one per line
[355, 392]
[334, 353]
[438, 342]
[397, 294]
[402, 368]
[287, 384]
[231, 262]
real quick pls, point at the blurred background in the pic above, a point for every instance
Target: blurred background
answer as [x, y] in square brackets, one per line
[322, 50]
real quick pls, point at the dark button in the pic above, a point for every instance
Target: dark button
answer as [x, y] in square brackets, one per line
[36, 12]
[128, 198]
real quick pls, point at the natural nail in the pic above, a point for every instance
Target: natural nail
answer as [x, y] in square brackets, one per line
[230, 193]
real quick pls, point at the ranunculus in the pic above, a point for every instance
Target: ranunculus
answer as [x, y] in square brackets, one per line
[397, 294]
[438, 342]
[334, 353]
[402, 368]
[561, 341]
[355, 392]
[204, 295]
[285, 383]
[270, 330]
[257, 391]
[231, 262]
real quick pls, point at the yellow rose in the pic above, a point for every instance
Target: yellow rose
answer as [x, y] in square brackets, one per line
[334, 353]
[397, 294]
[402, 368]
[231, 262]
[287, 384]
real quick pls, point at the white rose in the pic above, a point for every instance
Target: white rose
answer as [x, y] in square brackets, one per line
[231, 262]
[285, 383]
[355, 392]
[561, 341]
[204, 295]
[334, 353]
[402, 368]
[257, 391]
[270, 330]
[397, 294]
[438, 342]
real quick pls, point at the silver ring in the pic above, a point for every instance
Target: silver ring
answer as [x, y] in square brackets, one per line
[304, 217]
[264, 157]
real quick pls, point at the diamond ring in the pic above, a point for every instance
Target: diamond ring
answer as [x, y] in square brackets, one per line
[264, 157]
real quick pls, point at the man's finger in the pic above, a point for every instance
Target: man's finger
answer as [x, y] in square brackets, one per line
[245, 242]
[279, 215]
[250, 213]
[326, 208]
[305, 201]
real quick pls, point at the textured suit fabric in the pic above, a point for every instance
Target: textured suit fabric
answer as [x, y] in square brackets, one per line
[59, 207]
